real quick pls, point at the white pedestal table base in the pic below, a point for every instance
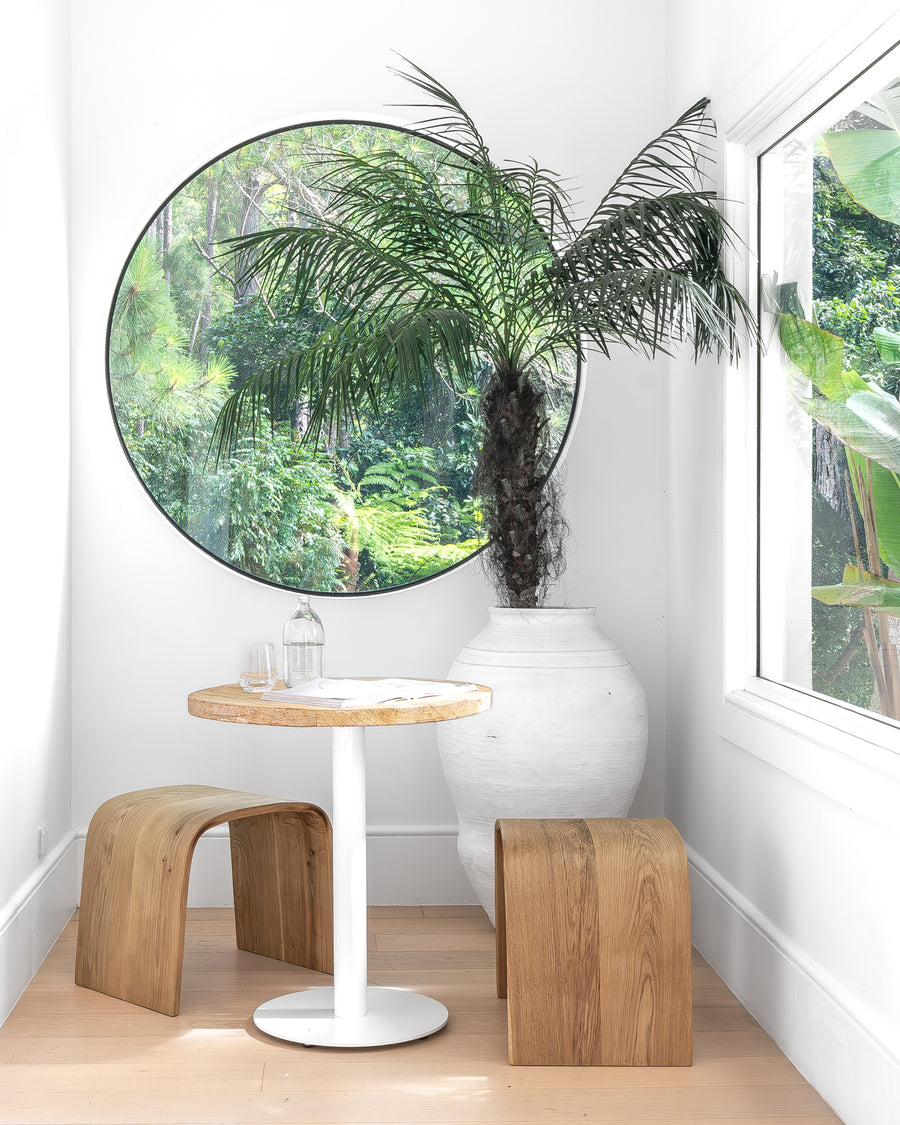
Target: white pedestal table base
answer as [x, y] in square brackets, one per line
[351, 1013]
[393, 1016]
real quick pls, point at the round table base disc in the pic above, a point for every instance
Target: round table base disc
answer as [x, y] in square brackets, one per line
[394, 1016]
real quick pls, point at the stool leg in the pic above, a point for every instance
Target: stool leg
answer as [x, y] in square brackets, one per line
[132, 914]
[552, 919]
[642, 875]
[281, 872]
[594, 942]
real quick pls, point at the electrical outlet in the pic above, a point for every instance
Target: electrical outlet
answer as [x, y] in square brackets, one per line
[43, 838]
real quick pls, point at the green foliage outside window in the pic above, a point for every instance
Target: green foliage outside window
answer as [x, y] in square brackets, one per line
[387, 501]
[850, 352]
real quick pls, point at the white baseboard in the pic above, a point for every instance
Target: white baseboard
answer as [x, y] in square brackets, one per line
[33, 919]
[408, 865]
[417, 871]
[835, 1043]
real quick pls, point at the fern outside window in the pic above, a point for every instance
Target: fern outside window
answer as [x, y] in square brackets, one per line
[377, 502]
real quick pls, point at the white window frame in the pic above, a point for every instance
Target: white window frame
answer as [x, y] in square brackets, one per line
[845, 753]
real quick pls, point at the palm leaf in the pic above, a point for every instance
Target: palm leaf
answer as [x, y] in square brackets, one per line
[356, 362]
[454, 125]
[669, 163]
[647, 309]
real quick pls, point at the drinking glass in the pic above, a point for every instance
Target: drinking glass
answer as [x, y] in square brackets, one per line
[258, 669]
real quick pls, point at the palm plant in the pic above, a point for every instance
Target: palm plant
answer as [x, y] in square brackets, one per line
[430, 272]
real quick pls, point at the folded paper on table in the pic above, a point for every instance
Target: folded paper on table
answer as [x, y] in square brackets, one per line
[363, 693]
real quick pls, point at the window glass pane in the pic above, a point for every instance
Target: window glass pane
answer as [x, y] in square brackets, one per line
[380, 503]
[829, 412]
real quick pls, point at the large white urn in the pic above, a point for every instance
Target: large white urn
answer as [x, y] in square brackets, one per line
[566, 735]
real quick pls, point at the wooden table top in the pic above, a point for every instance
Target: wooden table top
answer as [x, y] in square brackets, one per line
[229, 703]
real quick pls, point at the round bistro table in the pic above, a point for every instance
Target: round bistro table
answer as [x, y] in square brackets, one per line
[351, 1013]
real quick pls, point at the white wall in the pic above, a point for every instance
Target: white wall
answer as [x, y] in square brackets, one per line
[36, 893]
[158, 90]
[794, 844]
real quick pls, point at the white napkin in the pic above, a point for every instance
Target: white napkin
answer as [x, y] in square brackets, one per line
[362, 693]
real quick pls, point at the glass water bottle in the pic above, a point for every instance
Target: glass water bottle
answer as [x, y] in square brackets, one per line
[304, 645]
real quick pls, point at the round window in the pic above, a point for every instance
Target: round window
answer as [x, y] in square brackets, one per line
[341, 492]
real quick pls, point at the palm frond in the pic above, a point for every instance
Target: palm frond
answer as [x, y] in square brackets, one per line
[648, 309]
[356, 362]
[679, 227]
[327, 261]
[453, 125]
[548, 203]
[681, 234]
[669, 163]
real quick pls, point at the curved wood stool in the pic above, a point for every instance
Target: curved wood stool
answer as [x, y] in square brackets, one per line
[594, 942]
[134, 890]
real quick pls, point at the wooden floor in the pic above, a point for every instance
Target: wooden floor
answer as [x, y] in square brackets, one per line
[71, 1056]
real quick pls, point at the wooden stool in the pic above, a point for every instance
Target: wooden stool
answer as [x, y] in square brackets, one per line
[594, 942]
[134, 890]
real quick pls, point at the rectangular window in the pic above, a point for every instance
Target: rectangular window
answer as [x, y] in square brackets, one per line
[829, 546]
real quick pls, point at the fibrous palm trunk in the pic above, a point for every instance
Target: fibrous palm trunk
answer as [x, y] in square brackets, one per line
[518, 501]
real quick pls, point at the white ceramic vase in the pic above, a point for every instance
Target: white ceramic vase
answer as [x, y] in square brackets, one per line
[566, 735]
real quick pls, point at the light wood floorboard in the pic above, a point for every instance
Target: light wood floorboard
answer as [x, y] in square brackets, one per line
[69, 1056]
